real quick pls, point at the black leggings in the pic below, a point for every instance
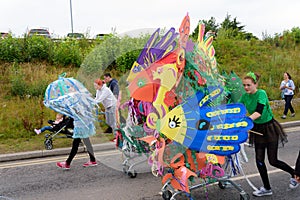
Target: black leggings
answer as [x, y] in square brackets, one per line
[272, 152]
[288, 104]
[74, 150]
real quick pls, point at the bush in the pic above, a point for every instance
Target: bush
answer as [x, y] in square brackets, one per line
[18, 86]
[38, 48]
[67, 52]
[11, 49]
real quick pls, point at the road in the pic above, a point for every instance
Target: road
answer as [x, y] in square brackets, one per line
[40, 179]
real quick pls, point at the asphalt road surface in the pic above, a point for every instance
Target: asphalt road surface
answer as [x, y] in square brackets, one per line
[41, 179]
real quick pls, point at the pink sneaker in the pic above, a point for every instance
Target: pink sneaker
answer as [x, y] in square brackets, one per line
[37, 131]
[113, 140]
[63, 165]
[90, 164]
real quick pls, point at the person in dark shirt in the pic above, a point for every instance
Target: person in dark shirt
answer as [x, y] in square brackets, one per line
[112, 84]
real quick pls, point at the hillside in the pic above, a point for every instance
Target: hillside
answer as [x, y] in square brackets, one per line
[23, 82]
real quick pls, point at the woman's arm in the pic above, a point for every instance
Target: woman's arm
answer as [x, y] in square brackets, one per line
[282, 85]
[101, 95]
[258, 111]
[291, 85]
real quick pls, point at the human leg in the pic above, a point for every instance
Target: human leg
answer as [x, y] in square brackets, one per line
[110, 115]
[74, 150]
[67, 163]
[285, 111]
[90, 149]
[288, 103]
[46, 128]
[260, 163]
[272, 152]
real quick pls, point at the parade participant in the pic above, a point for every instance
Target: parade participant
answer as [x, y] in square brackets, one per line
[76, 141]
[106, 97]
[270, 132]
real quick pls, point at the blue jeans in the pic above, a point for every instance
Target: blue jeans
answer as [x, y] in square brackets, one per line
[46, 128]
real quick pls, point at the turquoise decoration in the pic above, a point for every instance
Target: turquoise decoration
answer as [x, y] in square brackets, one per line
[69, 97]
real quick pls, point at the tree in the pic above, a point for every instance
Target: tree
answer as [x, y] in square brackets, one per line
[210, 25]
[227, 29]
[234, 25]
[233, 29]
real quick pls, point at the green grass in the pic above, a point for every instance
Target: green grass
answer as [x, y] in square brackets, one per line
[279, 112]
[22, 109]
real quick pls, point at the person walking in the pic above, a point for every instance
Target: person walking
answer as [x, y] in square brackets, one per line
[105, 96]
[287, 87]
[76, 141]
[271, 133]
[112, 84]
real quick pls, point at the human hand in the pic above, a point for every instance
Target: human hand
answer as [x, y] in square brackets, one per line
[297, 178]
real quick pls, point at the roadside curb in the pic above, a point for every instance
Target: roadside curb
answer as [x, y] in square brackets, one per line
[97, 147]
[54, 152]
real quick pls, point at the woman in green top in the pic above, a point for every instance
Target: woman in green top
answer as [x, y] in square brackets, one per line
[270, 132]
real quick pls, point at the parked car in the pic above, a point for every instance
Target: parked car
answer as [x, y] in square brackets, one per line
[3, 35]
[100, 36]
[75, 35]
[39, 32]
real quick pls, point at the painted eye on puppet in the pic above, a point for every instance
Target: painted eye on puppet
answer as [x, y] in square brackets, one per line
[136, 69]
[141, 83]
[173, 123]
[159, 71]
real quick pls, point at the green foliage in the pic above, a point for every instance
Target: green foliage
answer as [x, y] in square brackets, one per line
[112, 54]
[232, 24]
[210, 25]
[124, 60]
[271, 62]
[130, 49]
[22, 88]
[18, 86]
[38, 48]
[11, 49]
[37, 88]
[23, 84]
[228, 29]
[67, 52]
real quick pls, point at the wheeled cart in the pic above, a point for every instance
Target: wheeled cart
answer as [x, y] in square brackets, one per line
[169, 193]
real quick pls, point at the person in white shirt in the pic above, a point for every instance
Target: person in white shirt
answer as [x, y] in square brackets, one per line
[105, 96]
[287, 86]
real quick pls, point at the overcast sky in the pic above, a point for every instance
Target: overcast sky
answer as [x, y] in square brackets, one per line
[99, 16]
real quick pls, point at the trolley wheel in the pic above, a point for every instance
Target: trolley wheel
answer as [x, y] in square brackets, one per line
[222, 185]
[244, 196]
[132, 174]
[166, 195]
[125, 169]
[48, 144]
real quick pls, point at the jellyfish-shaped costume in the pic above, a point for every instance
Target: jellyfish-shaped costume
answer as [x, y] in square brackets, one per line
[69, 97]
